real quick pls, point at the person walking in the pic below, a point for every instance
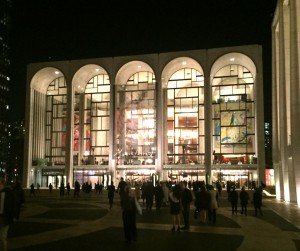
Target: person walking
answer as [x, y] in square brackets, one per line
[233, 198]
[186, 199]
[257, 201]
[244, 198]
[111, 189]
[212, 212]
[175, 206]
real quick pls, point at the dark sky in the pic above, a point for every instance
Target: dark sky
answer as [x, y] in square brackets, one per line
[46, 30]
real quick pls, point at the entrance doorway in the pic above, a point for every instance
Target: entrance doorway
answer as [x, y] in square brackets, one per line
[229, 178]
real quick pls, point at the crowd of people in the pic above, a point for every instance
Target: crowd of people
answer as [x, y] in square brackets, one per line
[181, 198]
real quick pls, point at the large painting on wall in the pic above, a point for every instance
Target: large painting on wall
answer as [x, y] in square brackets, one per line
[233, 118]
[235, 134]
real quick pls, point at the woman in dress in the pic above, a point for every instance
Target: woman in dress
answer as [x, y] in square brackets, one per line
[175, 205]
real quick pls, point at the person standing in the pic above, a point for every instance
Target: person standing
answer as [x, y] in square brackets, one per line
[128, 205]
[137, 190]
[186, 199]
[68, 188]
[166, 191]
[111, 194]
[233, 198]
[149, 194]
[7, 211]
[143, 189]
[32, 191]
[174, 198]
[202, 203]
[121, 186]
[50, 188]
[244, 198]
[159, 195]
[38, 187]
[76, 189]
[212, 212]
[257, 200]
[62, 189]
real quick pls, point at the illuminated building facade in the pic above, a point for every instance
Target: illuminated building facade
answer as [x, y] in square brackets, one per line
[187, 115]
[286, 100]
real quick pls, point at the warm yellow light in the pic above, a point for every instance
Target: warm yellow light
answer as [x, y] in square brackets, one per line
[234, 155]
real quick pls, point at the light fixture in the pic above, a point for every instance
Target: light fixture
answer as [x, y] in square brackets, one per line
[232, 59]
[56, 72]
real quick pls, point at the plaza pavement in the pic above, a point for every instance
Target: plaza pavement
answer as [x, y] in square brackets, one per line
[51, 222]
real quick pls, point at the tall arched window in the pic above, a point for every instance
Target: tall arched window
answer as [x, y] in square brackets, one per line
[96, 117]
[233, 115]
[136, 120]
[185, 117]
[56, 108]
[91, 121]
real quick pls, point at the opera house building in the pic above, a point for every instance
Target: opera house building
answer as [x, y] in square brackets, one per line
[188, 115]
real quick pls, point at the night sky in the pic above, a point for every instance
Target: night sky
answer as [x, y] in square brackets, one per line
[48, 30]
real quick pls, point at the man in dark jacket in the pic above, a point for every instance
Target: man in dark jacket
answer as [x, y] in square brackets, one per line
[244, 197]
[233, 198]
[257, 200]
[111, 194]
[186, 199]
[202, 202]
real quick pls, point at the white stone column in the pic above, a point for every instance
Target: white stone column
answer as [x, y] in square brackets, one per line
[207, 124]
[259, 117]
[69, 133]
[160, 133]
[275, 124]
[82, 102]
[27, 163]
[295, 96]
[112, 137]
[282, 107]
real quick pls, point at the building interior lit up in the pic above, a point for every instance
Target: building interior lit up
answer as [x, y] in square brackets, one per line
[189, 115]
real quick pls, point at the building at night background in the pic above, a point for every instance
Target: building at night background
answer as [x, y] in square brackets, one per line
[35, 38]
[185, 115]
